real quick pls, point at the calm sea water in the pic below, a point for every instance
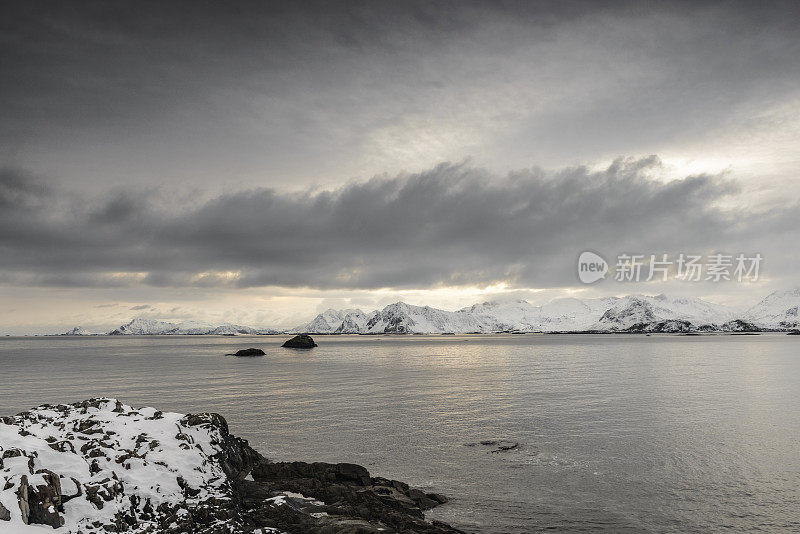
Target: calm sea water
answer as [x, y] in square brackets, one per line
[617, 433]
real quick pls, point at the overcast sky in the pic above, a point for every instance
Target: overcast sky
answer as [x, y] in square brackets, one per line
[258, 162]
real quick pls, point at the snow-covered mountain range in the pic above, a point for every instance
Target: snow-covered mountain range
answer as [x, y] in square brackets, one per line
[143, 326]
[632, 313]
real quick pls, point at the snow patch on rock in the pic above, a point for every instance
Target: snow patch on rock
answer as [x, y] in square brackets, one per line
[101, 462]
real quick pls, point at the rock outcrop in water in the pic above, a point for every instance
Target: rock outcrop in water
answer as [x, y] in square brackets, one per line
[248, 352]
[100, 466]
[303, 341]
[496, 445]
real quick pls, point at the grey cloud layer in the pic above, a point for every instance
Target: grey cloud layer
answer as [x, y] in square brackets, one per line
[266, 92]
[452, 225]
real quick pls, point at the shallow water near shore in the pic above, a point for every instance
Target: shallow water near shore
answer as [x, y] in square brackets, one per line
[616, 432]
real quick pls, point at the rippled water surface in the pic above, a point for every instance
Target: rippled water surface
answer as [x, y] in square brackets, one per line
[616, 433]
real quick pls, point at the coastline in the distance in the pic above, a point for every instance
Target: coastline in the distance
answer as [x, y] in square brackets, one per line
[629, 314]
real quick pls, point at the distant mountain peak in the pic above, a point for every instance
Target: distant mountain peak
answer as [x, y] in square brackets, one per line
[77, 331]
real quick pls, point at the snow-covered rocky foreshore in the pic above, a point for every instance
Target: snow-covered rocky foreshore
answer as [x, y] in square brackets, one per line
[102, 466]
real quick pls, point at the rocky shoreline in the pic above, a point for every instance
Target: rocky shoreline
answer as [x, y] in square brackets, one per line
[102, 466]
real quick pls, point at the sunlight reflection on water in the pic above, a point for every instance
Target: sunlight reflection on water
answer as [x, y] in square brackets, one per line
[618, 433]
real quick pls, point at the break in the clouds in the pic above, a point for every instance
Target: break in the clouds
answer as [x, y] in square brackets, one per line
[452, 225]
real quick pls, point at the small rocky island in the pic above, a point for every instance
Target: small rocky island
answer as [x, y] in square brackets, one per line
[248, 352]
[100, 466]
[303, 341]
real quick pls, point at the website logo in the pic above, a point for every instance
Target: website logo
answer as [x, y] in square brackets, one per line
[591, 267]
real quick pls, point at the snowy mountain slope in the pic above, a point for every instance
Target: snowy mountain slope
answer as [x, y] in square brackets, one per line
[142, 326]
[635, 310]
[402, 318]
[695, 310]
[520, 315]
[779, 310]
[570, 314]
[79, 331]
[560, 315]
[330, 321]
[148, 327]
[236, 329]
[503, 316]
[397, 318]
[608, 313]
[355, 322]
[564, 314]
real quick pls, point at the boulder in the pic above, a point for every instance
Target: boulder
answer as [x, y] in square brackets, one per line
[249, 352]
[303, 341]
[41, 503]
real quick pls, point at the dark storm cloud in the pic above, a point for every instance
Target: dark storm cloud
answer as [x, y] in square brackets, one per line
[105, 92]
[452, 225]
[128, 96]
[18, 189]
[114, 65]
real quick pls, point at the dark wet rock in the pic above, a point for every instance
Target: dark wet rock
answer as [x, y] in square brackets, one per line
[344, 498]
[496, 445]
[237, 458]
[311, 498]
[41, 504]
[248, 352]
[5, 513]
[438, 497]
[794, 333]
[62, 446]
[303, 341]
